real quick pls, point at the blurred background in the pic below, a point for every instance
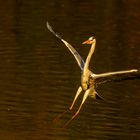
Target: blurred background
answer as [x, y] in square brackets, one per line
[39, 77]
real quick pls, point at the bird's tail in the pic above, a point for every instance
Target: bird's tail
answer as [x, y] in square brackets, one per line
[96, 96]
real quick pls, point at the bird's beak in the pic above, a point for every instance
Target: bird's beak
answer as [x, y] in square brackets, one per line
[87, 42]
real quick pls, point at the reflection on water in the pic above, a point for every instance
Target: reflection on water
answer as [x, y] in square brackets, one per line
[39, 77]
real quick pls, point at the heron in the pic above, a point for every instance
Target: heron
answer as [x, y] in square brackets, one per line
[89, 80]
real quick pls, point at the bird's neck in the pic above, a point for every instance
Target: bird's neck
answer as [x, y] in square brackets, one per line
[89, 55]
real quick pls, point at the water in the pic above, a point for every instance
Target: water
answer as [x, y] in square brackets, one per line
[39, 77]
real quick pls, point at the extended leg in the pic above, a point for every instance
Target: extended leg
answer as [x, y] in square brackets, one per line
[76, 96]
[84, 98]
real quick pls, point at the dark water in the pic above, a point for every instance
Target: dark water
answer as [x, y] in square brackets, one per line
[39, 77]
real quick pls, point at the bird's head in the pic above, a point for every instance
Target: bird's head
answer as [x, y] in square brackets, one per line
[91, 40]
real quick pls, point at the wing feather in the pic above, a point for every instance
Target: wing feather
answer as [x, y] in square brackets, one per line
[116, 76]
[76, 55]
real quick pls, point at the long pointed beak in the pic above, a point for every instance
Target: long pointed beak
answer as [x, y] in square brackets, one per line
[87, 42]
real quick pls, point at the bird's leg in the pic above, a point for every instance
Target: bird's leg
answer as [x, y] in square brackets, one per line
[76, 96]
[84, 98]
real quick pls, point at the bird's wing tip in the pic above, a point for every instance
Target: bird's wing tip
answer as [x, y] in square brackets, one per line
[47, 24]
[134, 70]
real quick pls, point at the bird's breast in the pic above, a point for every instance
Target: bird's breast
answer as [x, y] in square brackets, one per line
[87, 83]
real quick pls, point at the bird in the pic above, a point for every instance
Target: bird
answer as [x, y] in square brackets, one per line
[89, 80]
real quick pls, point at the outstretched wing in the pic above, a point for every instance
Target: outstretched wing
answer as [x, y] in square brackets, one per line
[116, 76]
[78, 58]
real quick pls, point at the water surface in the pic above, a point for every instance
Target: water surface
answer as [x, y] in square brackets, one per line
[39, 77]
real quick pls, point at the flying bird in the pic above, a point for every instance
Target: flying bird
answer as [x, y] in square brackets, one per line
[89, 80]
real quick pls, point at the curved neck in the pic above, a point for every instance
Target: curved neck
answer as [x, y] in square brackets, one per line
[89, 55]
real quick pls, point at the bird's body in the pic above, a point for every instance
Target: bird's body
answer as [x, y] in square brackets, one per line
[86, 73]
[89, 80]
